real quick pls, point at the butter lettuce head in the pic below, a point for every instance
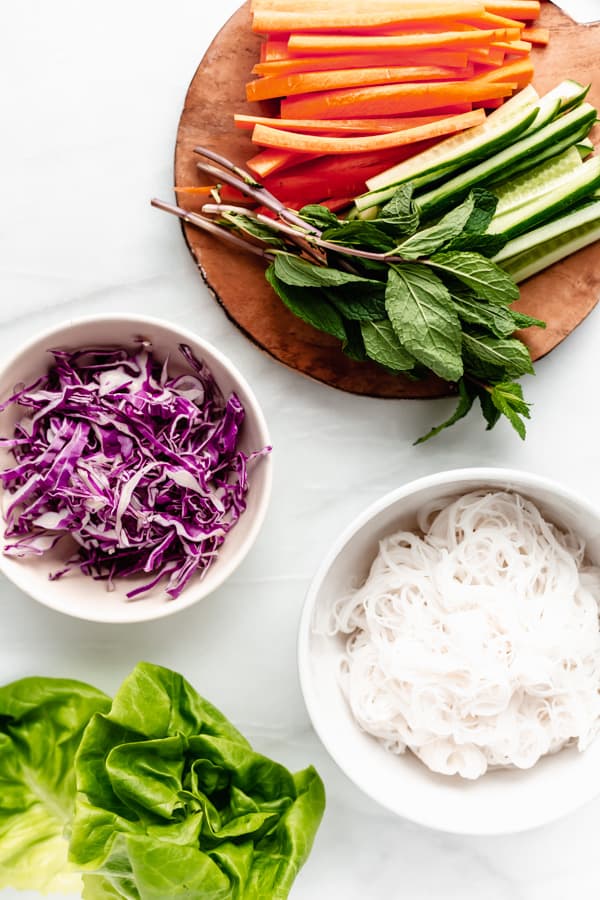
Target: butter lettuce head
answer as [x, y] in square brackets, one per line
[41, 723]
[172, 802]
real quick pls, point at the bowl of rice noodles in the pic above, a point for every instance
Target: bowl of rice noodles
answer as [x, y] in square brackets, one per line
[449, 651]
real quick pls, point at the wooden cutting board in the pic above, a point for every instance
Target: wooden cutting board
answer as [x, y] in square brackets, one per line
[562, 295]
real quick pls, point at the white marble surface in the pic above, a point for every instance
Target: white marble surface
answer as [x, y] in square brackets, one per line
[91, 98]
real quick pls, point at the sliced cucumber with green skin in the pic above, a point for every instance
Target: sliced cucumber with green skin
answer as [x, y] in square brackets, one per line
[499, 129]
[530, 162]
[584, 148]
[545, 234]
[545, 254]
[440, 199]
[535, 182]
[564, 96]
[574, 188]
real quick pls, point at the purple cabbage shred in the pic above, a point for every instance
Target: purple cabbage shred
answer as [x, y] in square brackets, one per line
[139, 467]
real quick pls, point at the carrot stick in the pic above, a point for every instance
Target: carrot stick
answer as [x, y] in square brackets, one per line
[360, 61]
[520, 71]
[518, 48]
[515, 9]
[489, 104]
[300, 44]
[275, 159]
[390, 99]
[311, 143]
[309, 82]
[488, 57]
[338, 126]
[536, 35]
[492, 20]
[274, 50]
[317, 20]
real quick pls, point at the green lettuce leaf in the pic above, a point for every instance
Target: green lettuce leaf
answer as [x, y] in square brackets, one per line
[41, 723]
[173, 802]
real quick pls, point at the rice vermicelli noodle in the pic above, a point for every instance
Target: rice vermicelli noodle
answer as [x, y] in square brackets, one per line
[474, 641]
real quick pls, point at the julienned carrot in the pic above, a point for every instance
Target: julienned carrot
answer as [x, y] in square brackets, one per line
[274, 50]
[338, 126]
[361, 61]
[489, 104]
[518, 48]
[309, 82]
[300, 44]
[515, 9]
[519, 71]
[492, 20]
[344, 6]
[488, 57]
[276, 159]
[311, 143]
[390, 99]
[371, 17]
[536, 35]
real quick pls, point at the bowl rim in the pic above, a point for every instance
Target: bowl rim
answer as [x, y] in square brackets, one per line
[521, 479]
[20, 578]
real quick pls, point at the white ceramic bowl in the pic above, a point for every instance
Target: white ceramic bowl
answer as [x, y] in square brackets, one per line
[80, 595]
[501, 801]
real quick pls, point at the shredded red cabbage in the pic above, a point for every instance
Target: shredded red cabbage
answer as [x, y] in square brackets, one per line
[140, 468]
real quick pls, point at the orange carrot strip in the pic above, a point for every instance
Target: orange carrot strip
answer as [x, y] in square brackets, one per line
[300, 44]
[274, 50]
[275, 159]
[492, 20]
[316, 20]
[361, 61]
[491, 57]
[536, 35]
[338, 126]
[515, 9]
[518, 48]
[202, 189]
[489, 104]
[390, 99]
[309, 82]
[311, 143]
[520, 71]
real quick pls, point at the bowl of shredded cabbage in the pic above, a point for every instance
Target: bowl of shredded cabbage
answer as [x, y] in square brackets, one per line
[135, 468]
[449, 651]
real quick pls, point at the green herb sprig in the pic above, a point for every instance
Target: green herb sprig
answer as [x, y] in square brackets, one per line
[414, 300]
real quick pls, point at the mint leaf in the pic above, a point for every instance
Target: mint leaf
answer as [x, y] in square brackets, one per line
[487, 356]
[319, 216]
[254, 228]
[383, 346]
[507, 397]
[353, 345]
[521, 320]
[427, 241]
[485, 244]
[366, 305]
[297, 272]
[491, 413]
[497, 319]
[423, 316]
[308, 305]
[465, 402]
[484, 207]
[401, 211]
[485, 278]
[356, 233]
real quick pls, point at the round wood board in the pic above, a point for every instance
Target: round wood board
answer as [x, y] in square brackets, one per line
[562, 296]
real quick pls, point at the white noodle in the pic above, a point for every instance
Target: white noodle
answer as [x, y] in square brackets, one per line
[475, 643]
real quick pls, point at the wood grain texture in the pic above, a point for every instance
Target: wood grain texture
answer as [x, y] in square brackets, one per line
[562, 295]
